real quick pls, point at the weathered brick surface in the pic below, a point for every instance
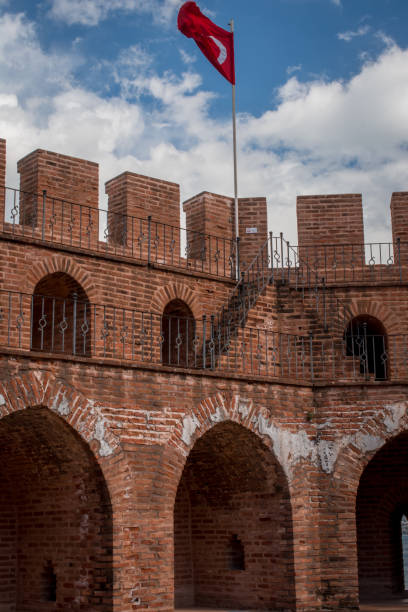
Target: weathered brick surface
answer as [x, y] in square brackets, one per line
[141, 486]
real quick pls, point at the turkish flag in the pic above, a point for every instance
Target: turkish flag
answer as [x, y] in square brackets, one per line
[216, 44]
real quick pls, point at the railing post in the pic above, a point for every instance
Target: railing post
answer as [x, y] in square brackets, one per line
[325, 326]
[365, 354]
[204, 340]
[149, 238]
[74, 322]
[271, 279]
[311, 356]
[212, 344]
[44, 197]
[281, 248]
[399, 258]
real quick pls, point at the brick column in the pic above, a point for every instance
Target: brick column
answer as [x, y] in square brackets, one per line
[252, 216]
[2, 180]
[210, 231]
[399, 223]
[331, 233]
[69, 212]
[134, 197]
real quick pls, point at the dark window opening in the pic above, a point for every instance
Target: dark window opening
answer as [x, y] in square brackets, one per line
[49, 583]
[366, 341]
[236, 554]
[404, 548]
[178, 335]
[60, 316]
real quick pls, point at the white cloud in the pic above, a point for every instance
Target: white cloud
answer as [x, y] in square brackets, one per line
[337, 2]
[350, 34]
[387, 40]
[323, 137]
[292, 69]
[91, 12]
[187, 58]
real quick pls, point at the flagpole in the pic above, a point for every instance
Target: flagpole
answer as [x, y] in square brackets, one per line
[234, 134]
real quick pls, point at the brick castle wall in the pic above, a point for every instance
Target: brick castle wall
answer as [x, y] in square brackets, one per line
[135, 485]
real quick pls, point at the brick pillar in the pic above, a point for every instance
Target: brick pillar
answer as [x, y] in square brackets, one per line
[210, 231]
[331, 233]
[2, 180]
[69, 212]
[399, 223]
[131, 199]
[253, 228]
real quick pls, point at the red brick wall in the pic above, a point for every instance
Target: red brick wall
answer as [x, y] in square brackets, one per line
[330, 220]
[382, 499]
[62, 516]
[70, 211]
[399, 225]
[252, 213]
[233, 488]
[134, 195]
[2, 178]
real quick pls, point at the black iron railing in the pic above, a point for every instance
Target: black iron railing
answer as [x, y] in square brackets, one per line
[73, 327]
[60, 222]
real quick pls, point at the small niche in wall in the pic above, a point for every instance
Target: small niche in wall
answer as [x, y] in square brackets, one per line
[235, 554]
[49, 582]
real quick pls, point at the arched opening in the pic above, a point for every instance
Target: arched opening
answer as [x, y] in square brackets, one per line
[60, 316]
[178, 331]
[381, 510]
[55, 518]
[233, 525]
[366, 342]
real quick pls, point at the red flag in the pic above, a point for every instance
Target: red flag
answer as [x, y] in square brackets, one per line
[216, 44]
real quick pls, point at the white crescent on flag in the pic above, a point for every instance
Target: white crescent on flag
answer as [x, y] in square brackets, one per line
[223, 50]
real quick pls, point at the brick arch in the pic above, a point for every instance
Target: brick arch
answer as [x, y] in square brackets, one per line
[177, 291]
[216, 409]
[85, 417]
[60, 263]
[360, 448]
[377, 309]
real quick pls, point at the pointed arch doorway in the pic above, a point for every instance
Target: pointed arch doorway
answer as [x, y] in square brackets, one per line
[233, 525]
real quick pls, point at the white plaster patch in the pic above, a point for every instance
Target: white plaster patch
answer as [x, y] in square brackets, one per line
[190, 425]
[368, 443]
[395, 413]
[219, 415]
[2, 400]
[105, 449]
[289, 447]
[328, 453]
[61, 405]
[244, 407]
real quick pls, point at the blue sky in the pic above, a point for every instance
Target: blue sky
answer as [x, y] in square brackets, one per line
[322, 96]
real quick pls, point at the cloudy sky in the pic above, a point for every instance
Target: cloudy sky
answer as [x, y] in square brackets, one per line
[322, 96]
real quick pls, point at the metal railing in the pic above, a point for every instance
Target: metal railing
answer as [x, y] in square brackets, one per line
[73, 327]
[60, 222]
[355, 263]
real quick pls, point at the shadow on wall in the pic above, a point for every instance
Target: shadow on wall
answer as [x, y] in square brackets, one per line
[55, 518]
[233, 525]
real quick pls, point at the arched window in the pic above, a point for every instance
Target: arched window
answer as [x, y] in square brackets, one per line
[366, 340]
[60, 316]
[178, 335]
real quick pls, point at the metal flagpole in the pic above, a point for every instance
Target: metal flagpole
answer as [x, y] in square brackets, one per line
[234, 132]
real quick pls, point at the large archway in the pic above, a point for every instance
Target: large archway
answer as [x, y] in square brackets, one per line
[382, 504]
[56, 518]
[233, 525]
